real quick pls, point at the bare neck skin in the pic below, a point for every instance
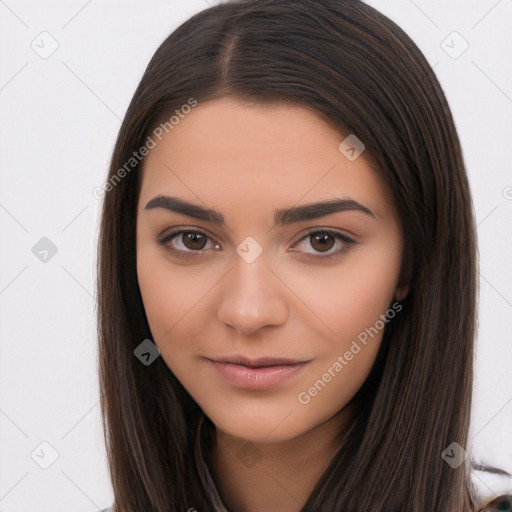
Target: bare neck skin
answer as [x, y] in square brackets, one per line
[278, 476]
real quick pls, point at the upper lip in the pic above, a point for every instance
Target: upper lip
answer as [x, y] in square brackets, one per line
[261, 362]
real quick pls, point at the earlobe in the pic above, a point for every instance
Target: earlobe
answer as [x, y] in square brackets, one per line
[401, 292]
[404, 279]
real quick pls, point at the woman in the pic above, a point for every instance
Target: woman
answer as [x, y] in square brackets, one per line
[286, 224]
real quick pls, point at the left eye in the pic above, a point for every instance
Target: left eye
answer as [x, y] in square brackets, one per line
[189, 243]
[322, 241]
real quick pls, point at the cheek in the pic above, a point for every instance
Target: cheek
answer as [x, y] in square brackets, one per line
[177, 302]
[343, 300]
[169, 295]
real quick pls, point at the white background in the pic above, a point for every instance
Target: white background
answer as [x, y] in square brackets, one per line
[59, 119]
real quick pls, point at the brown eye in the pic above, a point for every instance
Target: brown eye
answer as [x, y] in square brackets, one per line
[324, 244]
[187, 242]
[193, 240]
[322, 241]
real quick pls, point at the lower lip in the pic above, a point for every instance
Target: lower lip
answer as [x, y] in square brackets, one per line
[257, 378]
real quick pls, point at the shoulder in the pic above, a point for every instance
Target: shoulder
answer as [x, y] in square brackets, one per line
[502, 503]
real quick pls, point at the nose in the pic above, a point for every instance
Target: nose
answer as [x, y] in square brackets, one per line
[252, 297]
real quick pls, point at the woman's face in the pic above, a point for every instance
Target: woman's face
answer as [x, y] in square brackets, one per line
[245, 268]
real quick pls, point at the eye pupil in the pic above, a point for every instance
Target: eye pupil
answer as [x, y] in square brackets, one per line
[320, 239]
[196, 240]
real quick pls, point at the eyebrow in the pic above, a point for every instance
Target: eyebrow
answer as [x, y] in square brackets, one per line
[283, 216]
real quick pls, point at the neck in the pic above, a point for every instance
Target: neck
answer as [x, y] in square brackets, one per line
[275, 476]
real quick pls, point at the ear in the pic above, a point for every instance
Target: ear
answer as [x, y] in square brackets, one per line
[401, 292]
[404, 280]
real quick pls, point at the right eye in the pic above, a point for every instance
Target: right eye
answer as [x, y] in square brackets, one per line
[186, 243]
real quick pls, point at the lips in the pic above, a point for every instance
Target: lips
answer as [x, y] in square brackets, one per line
[257, 374]
[262, 362]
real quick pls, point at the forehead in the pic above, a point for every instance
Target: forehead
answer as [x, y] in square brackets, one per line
[279, 153]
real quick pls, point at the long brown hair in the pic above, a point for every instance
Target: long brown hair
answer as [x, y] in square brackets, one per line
[361, 73]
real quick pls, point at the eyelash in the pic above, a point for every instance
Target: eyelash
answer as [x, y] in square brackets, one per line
[163, 240]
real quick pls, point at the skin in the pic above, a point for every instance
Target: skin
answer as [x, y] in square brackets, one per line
[244, 161]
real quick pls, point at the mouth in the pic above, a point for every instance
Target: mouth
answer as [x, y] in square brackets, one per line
[262, 373]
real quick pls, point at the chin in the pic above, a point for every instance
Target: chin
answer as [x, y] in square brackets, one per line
[267, 424]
